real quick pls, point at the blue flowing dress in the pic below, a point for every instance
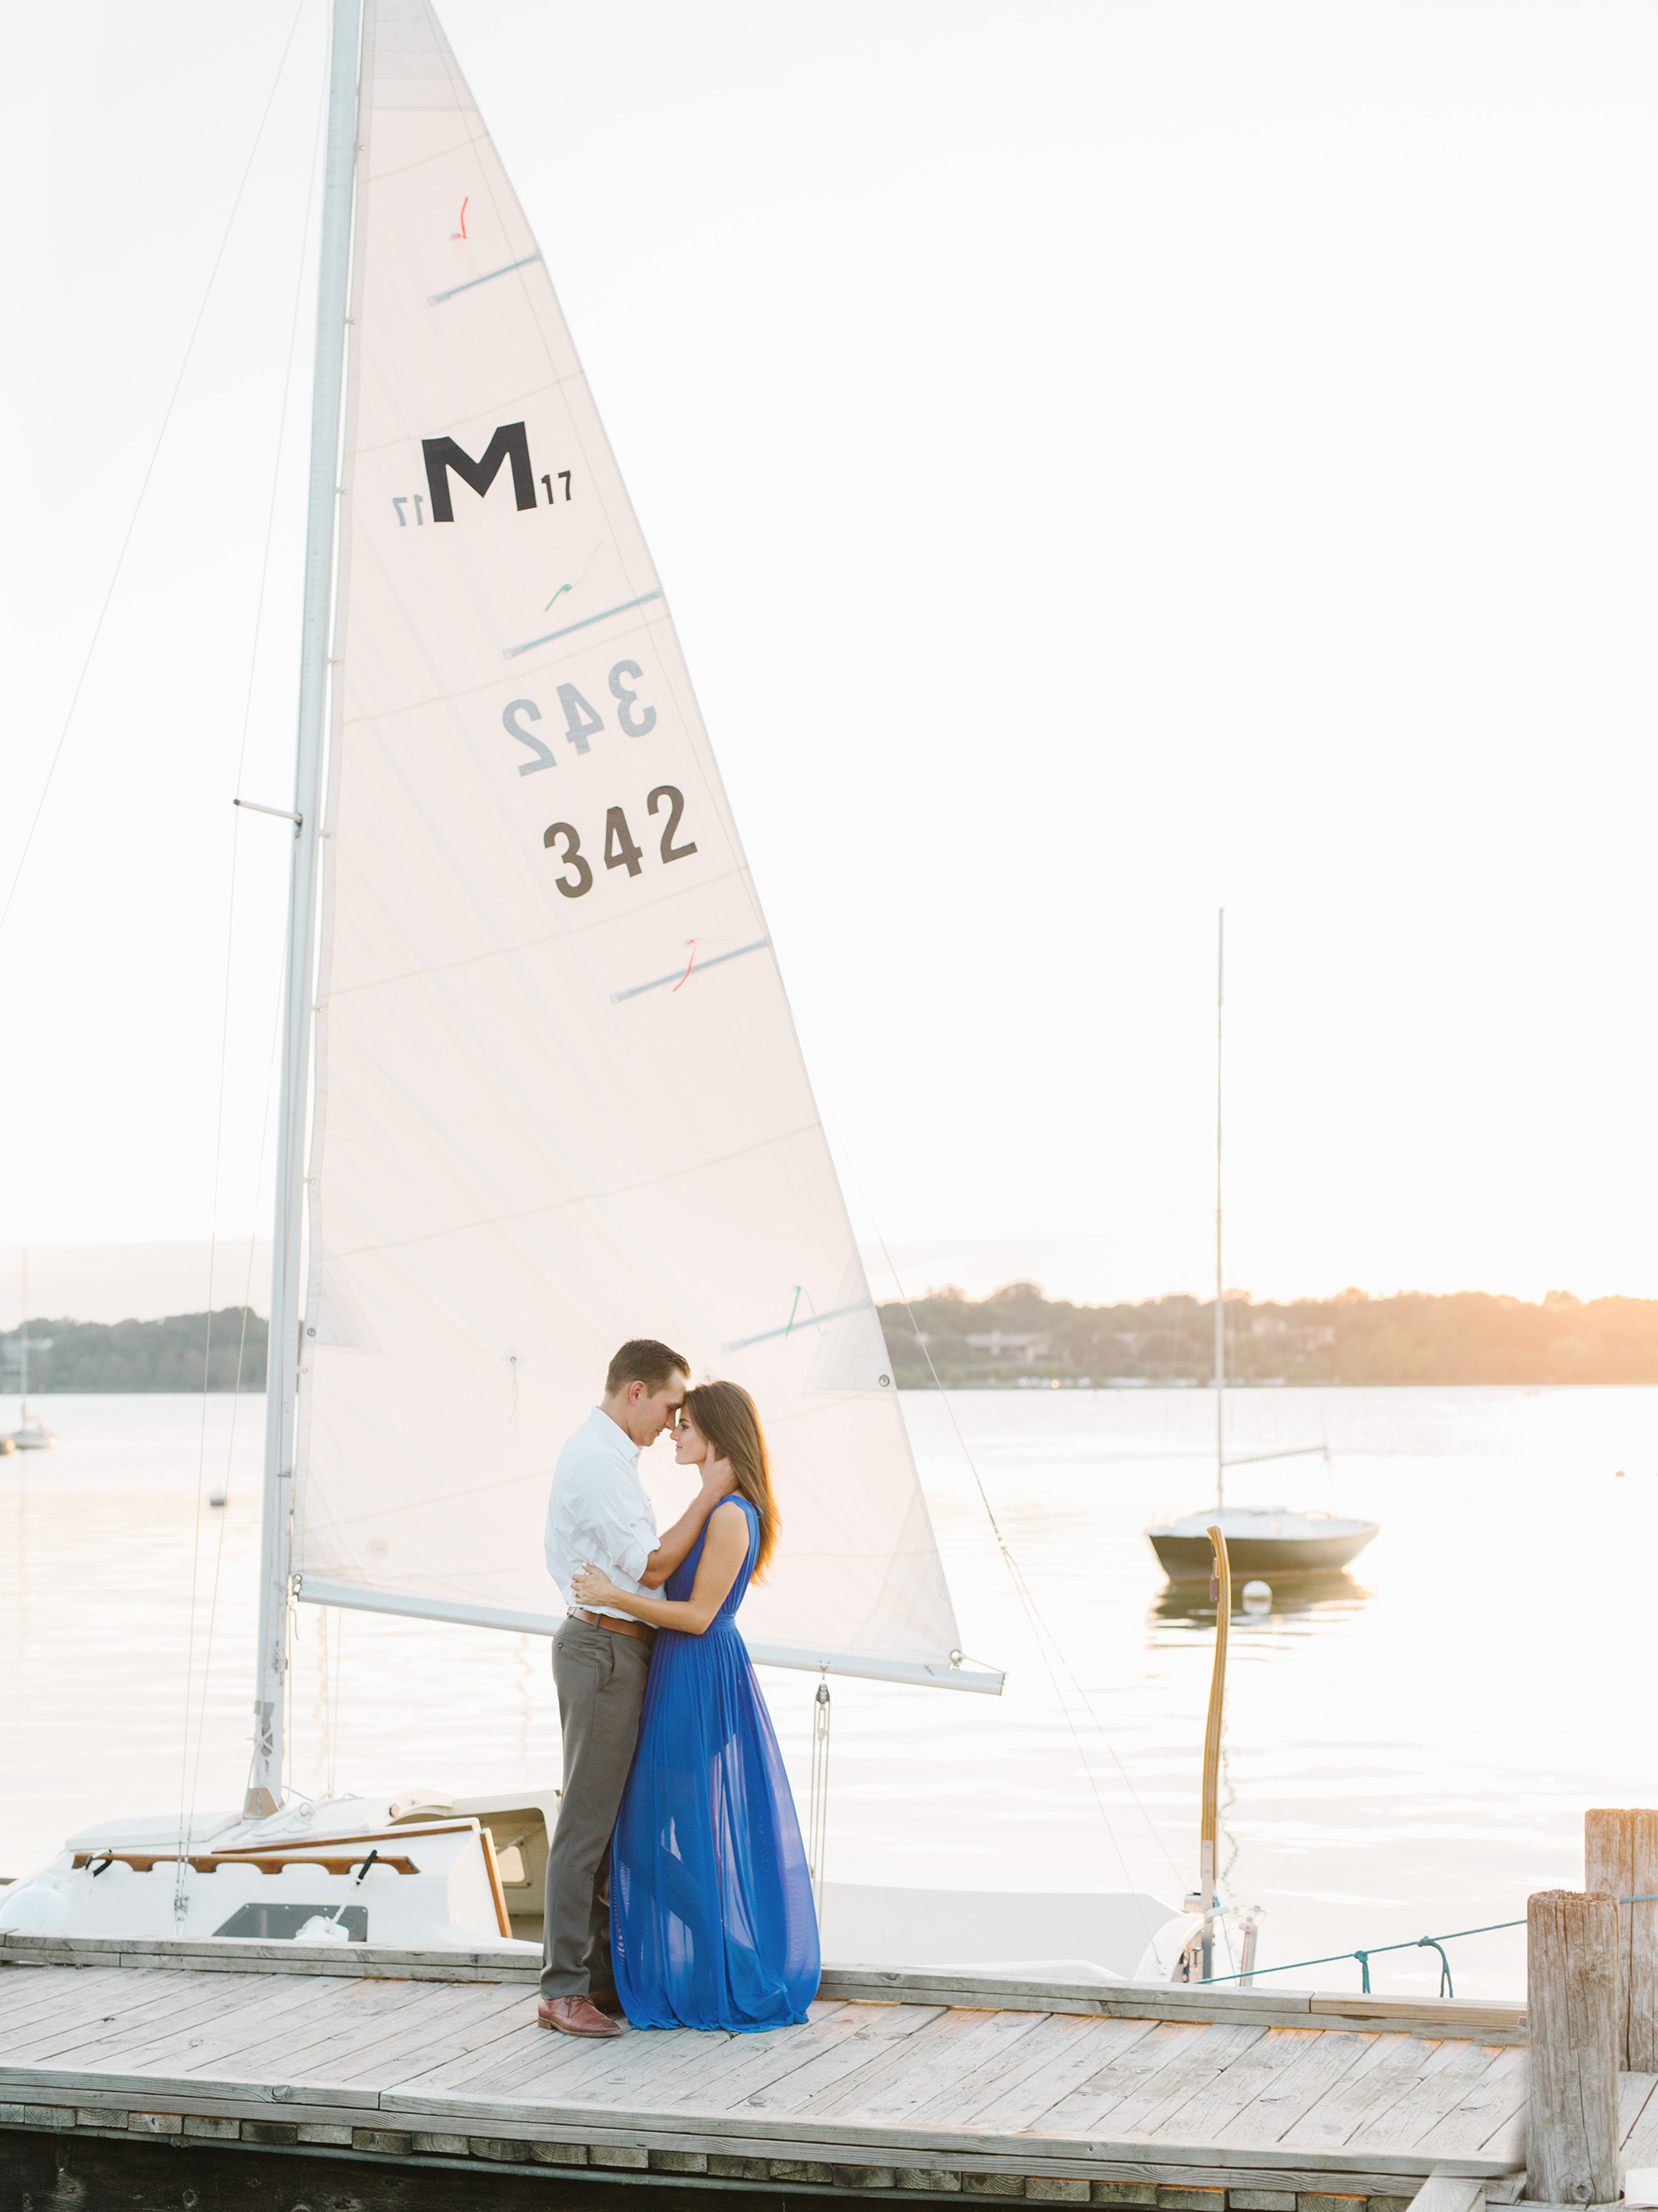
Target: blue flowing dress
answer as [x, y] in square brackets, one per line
[711, 1917]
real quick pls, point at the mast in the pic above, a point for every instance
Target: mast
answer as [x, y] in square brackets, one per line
[1219, 1303]
[333, 277]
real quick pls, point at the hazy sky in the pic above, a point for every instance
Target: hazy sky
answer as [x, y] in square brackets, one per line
[1106, 461]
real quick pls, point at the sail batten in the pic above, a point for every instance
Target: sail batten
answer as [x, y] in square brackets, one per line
[560, 1099]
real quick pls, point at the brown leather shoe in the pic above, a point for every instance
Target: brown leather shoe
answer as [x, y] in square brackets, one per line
[575, 2016]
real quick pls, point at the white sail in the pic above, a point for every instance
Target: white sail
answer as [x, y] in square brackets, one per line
[558, 1097]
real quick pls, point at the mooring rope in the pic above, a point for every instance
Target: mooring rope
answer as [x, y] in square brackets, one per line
[1417, 1943]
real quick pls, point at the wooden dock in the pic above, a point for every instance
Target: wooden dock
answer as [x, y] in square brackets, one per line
[1257, 2100]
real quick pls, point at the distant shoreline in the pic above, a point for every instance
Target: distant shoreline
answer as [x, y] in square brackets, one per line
[184, 1354]
[1017, 1338]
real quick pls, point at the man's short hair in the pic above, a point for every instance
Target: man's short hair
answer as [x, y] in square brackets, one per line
[641, 1360]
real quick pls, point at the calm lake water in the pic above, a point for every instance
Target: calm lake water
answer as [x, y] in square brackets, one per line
[1408, 1754]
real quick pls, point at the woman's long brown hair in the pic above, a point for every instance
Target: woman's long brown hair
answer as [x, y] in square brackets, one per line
[729, 1418]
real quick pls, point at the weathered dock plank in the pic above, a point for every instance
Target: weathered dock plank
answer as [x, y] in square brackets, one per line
[30, 1998]
[1030, 2099]
[1055, 2094]
[171, 2004]
[1126, 2069]
[873, 2037]
[752, 2061]
[1637, 2118]
[243, 2030]
[1036, 2058]
[1496, 2101]
[354, 2032]
[474, 2022]
[1439, 2089]
[1458, 2016]
[1150, 2107]
[49, 2005]
[1388, 2070]
[946, 2046]
[1254, 2073]
[1328, 2056]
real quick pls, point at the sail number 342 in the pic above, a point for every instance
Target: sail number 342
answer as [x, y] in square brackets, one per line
[564, 839]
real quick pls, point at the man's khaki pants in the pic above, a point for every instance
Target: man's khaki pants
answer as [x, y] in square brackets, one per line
[601, 1680]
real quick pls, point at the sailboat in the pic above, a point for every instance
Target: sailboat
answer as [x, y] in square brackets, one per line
[1263, 1543]
[29, 1435]
[519, 911]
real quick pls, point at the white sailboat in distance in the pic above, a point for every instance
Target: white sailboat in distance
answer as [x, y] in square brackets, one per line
[29, 1435]
[1263, 1543]
[519, 906]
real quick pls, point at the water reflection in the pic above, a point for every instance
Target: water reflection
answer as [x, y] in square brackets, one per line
[1295, 1599]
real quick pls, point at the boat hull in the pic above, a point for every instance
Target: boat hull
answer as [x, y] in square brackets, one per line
[1189, 1558]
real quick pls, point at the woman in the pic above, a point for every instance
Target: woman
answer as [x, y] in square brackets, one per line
[711, 1917]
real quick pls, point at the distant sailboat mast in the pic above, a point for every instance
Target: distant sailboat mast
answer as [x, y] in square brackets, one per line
[23, 1384]
[264, 1781]
[1220, 1302]
[1260, 1541]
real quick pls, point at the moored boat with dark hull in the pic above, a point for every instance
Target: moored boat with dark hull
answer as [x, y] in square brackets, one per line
[1266, 1542]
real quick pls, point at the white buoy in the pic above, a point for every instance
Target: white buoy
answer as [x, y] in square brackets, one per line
[1257, 1596]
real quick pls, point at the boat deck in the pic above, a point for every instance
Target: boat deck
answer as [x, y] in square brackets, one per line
[898, 2083]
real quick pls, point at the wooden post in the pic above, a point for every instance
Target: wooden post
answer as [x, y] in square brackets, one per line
[1572, 2017]
[1620, 1859]
[1220, 1588]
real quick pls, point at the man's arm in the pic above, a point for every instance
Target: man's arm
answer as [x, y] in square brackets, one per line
[719, 1481]
[583, 1523]
[721, 1564]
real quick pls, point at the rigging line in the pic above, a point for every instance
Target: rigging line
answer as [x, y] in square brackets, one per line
[185, 1768]
[1027, 1598]
[282, 432]
[224, 1046]
[1018, 1573]
[236, 1402]
[155, 454]
[334, 1672]
[1128, 1780]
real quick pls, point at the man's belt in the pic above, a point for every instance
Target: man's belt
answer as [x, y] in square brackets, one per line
[616, 1627]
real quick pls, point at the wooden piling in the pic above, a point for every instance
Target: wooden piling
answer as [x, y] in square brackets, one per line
[1220, 1588]
[1572, 1992]
[1620, 1859]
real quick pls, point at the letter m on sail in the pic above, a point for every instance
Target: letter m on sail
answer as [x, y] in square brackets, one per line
[509, 443]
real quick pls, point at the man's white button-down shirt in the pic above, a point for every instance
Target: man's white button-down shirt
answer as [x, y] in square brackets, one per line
[599, 1510]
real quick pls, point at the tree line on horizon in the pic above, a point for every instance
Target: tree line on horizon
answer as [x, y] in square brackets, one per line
[1024, 1340]
[178, 1353]
[1017, 1336]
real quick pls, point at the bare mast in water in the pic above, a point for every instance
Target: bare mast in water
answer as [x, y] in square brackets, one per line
[334, 280]
[1220, 1302]
[1262, 1542]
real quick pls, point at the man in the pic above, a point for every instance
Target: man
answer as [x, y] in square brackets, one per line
[598, 1514]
